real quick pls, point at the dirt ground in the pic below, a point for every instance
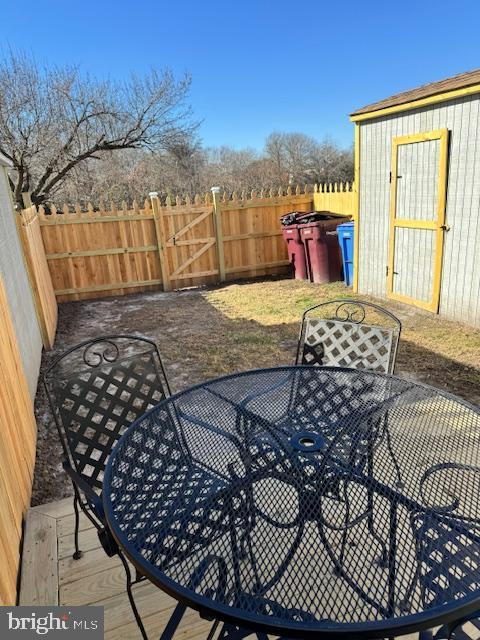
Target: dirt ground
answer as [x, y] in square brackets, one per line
[204, 333]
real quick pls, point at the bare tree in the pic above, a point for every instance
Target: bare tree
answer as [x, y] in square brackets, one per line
[301, 159]
[186, 167]
[231, 169]
[53, 120]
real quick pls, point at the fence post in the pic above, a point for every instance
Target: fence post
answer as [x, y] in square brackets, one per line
[217, 212]
[27, 200]
[159, 233]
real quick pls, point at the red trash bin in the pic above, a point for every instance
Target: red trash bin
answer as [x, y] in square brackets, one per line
[322, 251]
[296, 251]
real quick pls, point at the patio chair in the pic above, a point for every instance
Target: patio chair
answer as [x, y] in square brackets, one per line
[439, 537]
[356, 335]
[96, 389]
[349, 333]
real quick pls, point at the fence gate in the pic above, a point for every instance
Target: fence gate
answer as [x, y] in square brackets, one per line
[188, 250]
[417, 218]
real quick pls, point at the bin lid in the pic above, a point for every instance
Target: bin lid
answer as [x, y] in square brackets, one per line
[289, 219]
[346, 225]
[302, 217]
[331, 222]
[315, 216]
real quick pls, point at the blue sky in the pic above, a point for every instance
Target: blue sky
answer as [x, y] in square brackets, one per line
[258, 66]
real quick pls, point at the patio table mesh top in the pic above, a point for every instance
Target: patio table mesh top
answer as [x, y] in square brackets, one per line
[304, 498]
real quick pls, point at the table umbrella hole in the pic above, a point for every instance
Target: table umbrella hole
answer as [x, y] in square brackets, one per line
[307, 442]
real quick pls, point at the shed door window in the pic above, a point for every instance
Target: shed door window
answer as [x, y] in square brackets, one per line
[417, 216]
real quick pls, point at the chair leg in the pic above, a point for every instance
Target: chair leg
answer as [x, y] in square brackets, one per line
[77, 554]
[130, 597]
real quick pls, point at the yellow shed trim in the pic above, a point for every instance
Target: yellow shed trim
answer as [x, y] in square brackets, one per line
[437, 226]
[416, 104]
[356, 216]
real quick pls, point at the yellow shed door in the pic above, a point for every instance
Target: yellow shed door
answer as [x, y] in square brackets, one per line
[417, 218]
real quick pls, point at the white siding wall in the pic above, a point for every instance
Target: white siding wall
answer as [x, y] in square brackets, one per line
[460, 290]
[12, 269]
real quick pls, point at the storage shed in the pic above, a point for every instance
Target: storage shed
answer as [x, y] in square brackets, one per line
[417, 175]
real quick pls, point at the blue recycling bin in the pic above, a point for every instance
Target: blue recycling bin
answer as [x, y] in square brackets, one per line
[346, 233]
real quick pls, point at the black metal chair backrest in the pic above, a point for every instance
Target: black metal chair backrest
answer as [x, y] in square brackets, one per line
[96, 390]
[349, 333]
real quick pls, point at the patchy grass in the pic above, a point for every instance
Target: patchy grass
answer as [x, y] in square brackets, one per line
[274, 301]
[433, 350]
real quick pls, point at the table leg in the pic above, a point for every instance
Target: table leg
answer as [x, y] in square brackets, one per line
[392, 551]
[370, 504]
[230, 632]
[173, 623]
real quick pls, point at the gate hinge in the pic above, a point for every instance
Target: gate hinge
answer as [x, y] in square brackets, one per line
[386, 270]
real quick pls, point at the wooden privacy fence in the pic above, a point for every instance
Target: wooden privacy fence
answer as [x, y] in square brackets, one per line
[39, 275]
[338, 198]
[17, 452]
[173, 244]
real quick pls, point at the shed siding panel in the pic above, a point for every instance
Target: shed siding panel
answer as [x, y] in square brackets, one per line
[460, 290]
[417, 281]
[417, 185]
[13, 271]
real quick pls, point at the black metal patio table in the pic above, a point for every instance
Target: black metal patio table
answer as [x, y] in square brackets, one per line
[305, 502]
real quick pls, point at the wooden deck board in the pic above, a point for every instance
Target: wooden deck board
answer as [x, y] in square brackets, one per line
[66, 543]
[66, 524]
[39, 575]
[92, 562]
[150, 601]
[91, 588]
[51, 576]
[58, 509]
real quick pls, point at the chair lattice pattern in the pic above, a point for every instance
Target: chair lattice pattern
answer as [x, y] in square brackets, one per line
[97, 405]
[449, 555]
[347, 344]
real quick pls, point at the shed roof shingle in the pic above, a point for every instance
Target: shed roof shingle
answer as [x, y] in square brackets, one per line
[426, 90]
